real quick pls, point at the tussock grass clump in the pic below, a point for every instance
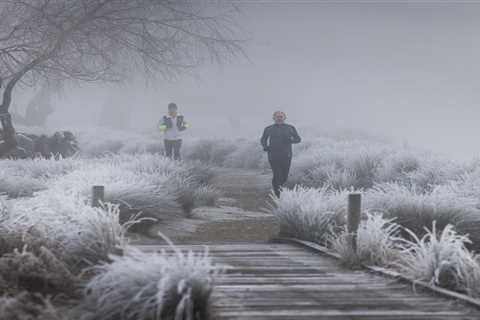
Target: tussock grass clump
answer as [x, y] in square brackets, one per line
[210, 151]
[362, 163]
[206, 196]
[339, 164]
[152, 286]
[415, 210]
[201, 173]
[76, 233]
[377, 242]
[441, 258]
[21, 178]
[25, 306]
[129, 181]
[248, 155]
[42, 272]
[19, 186]
[309, 213]
[101, 142]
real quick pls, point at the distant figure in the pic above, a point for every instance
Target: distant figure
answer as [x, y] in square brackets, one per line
[172, 125]
[277, 140]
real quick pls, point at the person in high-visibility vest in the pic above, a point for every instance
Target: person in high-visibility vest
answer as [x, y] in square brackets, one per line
[277, 140]
[172, 126]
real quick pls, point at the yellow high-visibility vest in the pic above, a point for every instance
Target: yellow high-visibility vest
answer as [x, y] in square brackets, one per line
[162, 128]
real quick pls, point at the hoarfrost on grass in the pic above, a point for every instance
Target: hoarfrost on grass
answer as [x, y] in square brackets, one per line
[163, 285]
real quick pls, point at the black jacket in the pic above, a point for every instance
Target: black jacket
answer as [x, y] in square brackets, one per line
[278, 139]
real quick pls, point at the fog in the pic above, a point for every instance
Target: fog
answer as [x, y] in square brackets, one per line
[402, 70]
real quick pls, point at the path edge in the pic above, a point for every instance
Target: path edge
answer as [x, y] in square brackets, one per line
[384, 272]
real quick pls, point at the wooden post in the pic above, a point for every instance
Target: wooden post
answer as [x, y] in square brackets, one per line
[353, 219]
[98, 196]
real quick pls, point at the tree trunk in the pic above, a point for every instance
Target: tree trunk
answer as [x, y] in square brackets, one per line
[8, 134]
[9, 142]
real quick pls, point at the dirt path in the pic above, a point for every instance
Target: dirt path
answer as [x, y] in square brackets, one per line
[241, 215]
[248, 188]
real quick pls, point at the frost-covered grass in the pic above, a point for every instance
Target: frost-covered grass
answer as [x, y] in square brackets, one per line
[236, 153]
[152, 286]
[57, 215]
[149, 183]
[248, 154]
[102, 142]
[441, 258]
[377, 242]
[69, 227]
[24, 177]
[52, 241]
[25, 306]
[50, 236]
[361, 164]
[396, 234]
[415, 210]
[40, 272]
[309, 213]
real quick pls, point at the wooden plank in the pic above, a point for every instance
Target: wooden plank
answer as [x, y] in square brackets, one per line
[336, 313]
[266, 281]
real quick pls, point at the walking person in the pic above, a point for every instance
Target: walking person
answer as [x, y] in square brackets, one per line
[172, 126]
[277, 140]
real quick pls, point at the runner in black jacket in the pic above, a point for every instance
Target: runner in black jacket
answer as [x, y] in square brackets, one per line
[277, 140]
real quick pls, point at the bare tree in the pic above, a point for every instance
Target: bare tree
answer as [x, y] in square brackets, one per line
[105, 40]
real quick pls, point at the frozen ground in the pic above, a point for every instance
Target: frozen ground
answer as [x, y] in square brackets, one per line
[240, 215]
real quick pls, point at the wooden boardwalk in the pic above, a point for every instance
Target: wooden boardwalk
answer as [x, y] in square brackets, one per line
[283, 281]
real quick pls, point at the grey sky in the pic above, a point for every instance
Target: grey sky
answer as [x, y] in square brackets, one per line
[406, 69]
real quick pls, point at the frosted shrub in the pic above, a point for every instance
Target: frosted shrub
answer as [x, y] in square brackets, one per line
[20, 186]
[152, 286]
[201, 173]
[440, 258]
[211, 151]
[467, 185]
[309, 213]
[434, 172]
[377, 242]
[143, 144]
[143, 188]
[206, 195]
[27, 307]
[39, 167]
[249, 155]
[76, 233]
[101, 141]
[397, 165]
[416, 210]
[42, 272]
[20, 178]
[340, 164]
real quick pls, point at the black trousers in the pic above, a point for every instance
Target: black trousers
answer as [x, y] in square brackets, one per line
[172, 149]
[280, 164]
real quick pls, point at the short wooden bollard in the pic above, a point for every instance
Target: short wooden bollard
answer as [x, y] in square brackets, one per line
[98, 196]
[353, 218]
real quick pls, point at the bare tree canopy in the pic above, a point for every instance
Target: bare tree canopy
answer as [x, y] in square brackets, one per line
[106, 40]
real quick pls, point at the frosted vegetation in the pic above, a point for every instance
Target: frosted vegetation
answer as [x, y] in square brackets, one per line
[53, 243]
[416, 204]
[421, 217]
[421, 212]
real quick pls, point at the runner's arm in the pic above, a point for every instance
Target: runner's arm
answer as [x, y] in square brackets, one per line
[264, 139]
[295, 138]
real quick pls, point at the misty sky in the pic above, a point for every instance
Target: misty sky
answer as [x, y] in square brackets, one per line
[404, 70]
